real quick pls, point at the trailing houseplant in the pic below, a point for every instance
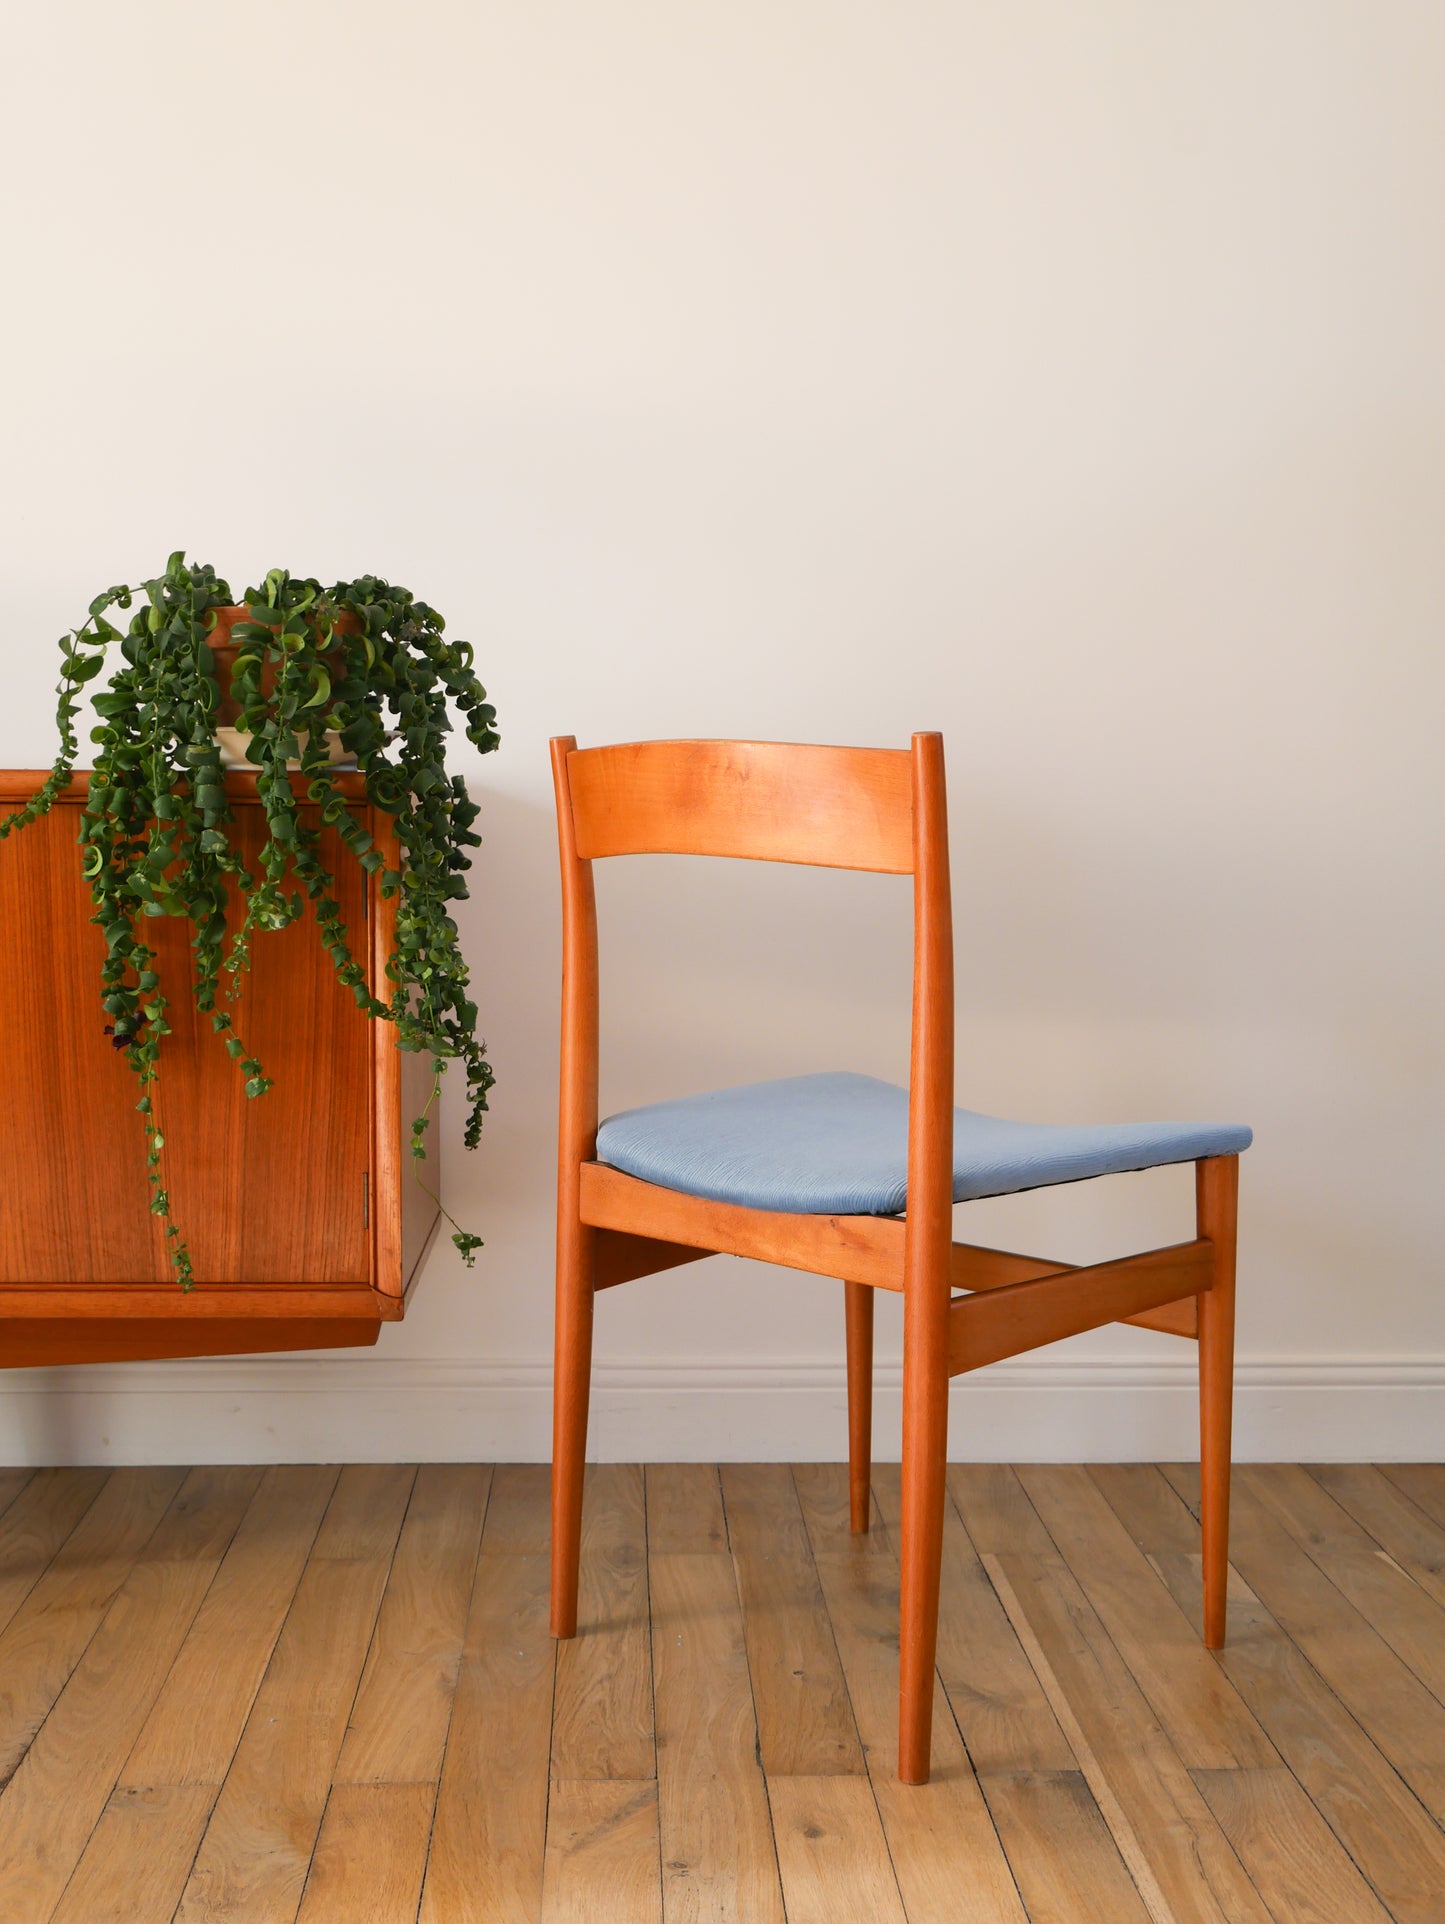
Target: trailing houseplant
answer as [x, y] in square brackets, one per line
[361, 661]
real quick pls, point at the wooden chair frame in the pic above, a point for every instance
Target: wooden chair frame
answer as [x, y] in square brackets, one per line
[883, 810]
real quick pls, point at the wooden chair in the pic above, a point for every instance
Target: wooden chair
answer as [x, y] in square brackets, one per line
[748, 1172]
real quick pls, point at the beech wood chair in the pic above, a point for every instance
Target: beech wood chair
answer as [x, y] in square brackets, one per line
[845, 1176]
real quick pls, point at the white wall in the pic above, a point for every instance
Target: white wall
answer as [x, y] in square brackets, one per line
[1067, 378]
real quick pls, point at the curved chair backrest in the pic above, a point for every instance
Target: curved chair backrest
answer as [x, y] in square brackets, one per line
[770, 801]
[879, 809]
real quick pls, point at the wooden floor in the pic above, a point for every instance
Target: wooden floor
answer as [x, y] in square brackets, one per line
[304, 1693]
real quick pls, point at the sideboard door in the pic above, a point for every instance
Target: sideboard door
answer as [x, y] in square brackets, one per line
[271, 1190]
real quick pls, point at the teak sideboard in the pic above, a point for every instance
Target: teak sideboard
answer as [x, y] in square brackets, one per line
[304, 1227]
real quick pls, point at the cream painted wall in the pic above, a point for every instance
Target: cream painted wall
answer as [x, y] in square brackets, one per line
[1067, 378]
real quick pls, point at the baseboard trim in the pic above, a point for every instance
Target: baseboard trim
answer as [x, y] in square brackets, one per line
[378, 1409]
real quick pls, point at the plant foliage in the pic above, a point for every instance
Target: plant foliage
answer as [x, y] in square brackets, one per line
[155, 831]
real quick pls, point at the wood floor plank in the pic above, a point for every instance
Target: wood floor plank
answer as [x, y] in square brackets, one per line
[1067, 1865]
[1294, 1859]
[602, 1838]
[718, 1861]
[138, 1857]
[1404, 1614]
[831, 1852]
[1388, 1700]
[823, 1497]
[602, 1717]
[999, 1703]
[489, 1833]
[253, 1859]
[805, 1721]
[996, 1511]
[1185, 1868]
[1423, 1484]
[1200, 1710]
[377, 1757]
[61, 1786]
[35, 1526]
[370, 1855]
[930, 1828]
[48, 1634]
[12, 1482]
[519, 1511]
[398, 1726]
[1400, 1528]
[685, 1510]
[365, 1513]
[196, 1722]
[1394, 1841]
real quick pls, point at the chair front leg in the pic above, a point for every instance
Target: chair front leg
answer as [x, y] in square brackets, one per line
[859, 1312]
[925, 1452]
[571, 1386]
[1217, 1205]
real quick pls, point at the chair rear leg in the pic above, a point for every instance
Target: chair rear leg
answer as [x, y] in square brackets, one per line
[571, 1385]
[925, 1451]
[859, 1311]
[1217, 1200]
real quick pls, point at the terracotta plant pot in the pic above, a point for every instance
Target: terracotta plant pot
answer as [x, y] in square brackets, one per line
[235, 742]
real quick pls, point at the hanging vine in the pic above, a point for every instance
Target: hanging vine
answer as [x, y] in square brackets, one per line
[363, 660]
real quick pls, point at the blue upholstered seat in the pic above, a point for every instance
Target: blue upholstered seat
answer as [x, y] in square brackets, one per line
[837, 1145]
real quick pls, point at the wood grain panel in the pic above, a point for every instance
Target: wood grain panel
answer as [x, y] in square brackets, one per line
[404, 1212]
[769, 801]
[77, 1209]
[259, 1321]
[75, 1204]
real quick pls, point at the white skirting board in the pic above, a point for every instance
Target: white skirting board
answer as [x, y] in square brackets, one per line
[378, 1409]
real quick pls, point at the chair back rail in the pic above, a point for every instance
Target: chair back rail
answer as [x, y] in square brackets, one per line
[763, 801]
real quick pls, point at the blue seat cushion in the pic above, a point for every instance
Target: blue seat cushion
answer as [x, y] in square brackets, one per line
[837, 1145]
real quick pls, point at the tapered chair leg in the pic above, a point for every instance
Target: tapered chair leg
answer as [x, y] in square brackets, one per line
[1217, 1195]
[859, 1311]
[571, 1385]
[925, 1451]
